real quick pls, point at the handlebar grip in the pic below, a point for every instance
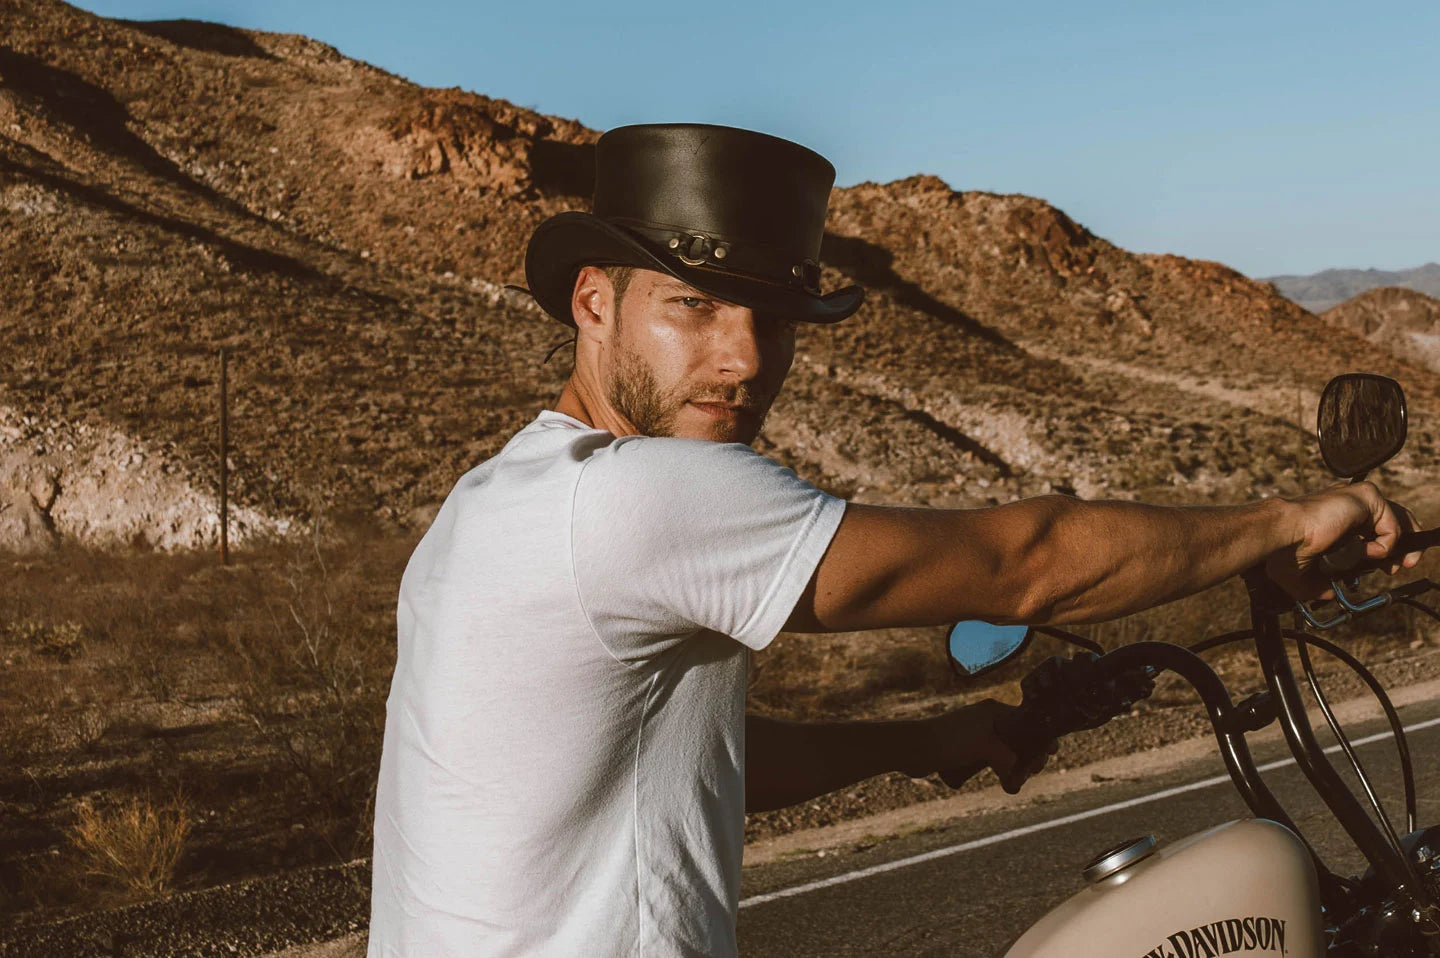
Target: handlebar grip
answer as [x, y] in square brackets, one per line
[1349, 555]
[1417, 541]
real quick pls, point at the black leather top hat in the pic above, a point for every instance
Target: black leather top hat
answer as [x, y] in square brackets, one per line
[736, 214]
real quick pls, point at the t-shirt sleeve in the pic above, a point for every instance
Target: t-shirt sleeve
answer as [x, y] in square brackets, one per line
[670, 536]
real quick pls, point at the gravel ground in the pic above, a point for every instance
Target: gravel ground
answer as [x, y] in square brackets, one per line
[249, 918]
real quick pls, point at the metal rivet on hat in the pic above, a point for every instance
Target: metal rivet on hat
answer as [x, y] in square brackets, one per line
[721, 252]
[674, 242]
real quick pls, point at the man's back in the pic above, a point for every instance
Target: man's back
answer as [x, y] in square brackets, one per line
[563, 756]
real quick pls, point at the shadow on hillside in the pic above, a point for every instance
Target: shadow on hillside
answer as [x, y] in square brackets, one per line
[957, 439]
[98, 118]
[202, 35]
[243, 256]
[874, 265]
[564, 168]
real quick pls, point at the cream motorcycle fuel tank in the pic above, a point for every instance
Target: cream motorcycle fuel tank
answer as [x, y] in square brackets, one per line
[1245, 888]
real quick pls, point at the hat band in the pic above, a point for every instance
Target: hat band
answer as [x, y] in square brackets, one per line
[706, 251]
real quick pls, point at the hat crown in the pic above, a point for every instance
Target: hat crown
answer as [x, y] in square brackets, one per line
[744, 187]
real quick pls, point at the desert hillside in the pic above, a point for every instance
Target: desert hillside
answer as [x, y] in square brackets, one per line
[1401, 320]
[170, 188]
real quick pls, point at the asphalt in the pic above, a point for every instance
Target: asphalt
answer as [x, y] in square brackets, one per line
[975, 902]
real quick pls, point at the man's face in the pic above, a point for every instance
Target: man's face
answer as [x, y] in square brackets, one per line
[683, 363]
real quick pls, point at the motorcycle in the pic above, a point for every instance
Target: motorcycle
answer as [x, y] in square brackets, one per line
[1254, 885]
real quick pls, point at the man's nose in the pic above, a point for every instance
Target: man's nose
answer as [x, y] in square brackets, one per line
[738, 346]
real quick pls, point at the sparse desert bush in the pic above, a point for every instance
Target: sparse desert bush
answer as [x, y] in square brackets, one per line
[134, 844]
[314, 683]
[64, 640]
[82, 728]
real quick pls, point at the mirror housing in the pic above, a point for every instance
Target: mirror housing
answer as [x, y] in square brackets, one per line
[976, 647]
[1360, 423]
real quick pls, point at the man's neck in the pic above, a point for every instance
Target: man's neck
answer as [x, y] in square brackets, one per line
[573, 403]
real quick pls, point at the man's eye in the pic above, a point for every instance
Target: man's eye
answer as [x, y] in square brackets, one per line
[691, 302]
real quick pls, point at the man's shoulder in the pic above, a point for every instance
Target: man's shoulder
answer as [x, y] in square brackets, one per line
[642, 459]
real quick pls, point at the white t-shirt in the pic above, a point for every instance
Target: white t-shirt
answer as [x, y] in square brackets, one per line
[563, 766]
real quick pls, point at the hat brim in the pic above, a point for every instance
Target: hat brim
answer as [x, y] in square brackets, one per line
[564, 243]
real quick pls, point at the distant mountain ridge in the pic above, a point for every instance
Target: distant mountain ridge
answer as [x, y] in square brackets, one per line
[1320, 291]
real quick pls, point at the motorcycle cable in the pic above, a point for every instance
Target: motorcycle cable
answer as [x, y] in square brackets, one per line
[1313, 680]
[1336, 891]
[1397, 728]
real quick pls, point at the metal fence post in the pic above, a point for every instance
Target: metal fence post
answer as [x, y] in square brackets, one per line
[224, 462]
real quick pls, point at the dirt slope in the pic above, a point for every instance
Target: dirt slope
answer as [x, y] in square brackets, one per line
[169, 188]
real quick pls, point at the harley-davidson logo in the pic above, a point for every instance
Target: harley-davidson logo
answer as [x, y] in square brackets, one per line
[1226, 937]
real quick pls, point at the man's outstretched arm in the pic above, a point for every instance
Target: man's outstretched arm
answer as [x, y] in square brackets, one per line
[1054, 559]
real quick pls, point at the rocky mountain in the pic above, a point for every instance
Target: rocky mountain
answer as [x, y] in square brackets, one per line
[169, 188]
[1320, 291]
[1404, 321]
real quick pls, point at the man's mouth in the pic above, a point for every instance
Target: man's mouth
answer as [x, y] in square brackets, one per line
[720, 409]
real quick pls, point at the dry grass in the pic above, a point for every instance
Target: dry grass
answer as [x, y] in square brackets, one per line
[313, 683]
[257, 689]
[134, 844]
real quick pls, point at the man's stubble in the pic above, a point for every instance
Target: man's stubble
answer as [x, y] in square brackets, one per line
[634, 392]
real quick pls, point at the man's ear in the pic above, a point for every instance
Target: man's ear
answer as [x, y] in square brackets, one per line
[592, 303]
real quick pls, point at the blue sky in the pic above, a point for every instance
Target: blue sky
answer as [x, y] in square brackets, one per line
[1275, 137]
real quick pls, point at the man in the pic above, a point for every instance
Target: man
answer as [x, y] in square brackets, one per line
[567, 760]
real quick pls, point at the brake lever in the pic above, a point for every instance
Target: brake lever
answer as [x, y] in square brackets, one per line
[1365, 605]
[1403, 593]
[1317, 624]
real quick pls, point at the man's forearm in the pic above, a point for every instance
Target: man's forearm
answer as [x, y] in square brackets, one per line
[1047, 559]
[789, 762]
[1098, 560]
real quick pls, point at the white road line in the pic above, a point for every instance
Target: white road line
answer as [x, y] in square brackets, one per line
[1043, 826]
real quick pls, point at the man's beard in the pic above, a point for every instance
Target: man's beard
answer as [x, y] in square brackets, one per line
[635, 394]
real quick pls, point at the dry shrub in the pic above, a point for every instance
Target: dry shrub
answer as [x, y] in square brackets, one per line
[81, 728]
[314, 683]
[135, 844]
[64, 641]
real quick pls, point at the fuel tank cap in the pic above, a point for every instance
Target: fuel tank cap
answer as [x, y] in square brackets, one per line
[1117, 859]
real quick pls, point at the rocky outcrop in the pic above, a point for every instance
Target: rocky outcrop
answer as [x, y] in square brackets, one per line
[95, 485]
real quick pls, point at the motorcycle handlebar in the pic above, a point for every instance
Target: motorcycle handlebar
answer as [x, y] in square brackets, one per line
[1348, 557]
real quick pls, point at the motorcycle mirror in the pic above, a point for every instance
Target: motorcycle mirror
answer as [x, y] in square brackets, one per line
[1361, 423]
[977, 647]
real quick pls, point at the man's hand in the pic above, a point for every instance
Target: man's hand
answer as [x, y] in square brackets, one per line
[1322, 520]
[967, 740]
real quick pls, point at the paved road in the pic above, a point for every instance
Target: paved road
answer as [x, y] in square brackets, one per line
[973, 903]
